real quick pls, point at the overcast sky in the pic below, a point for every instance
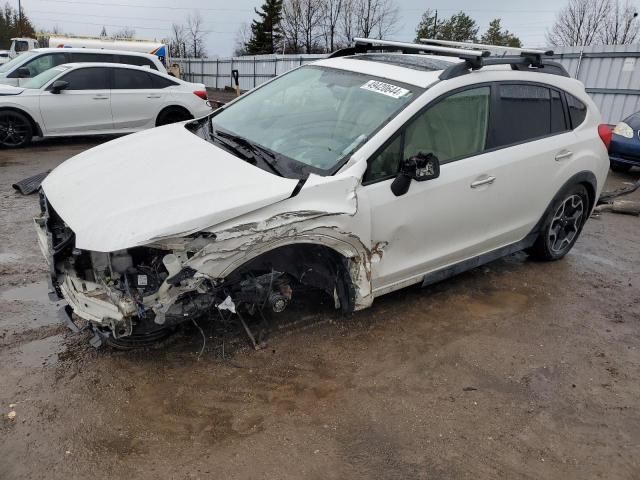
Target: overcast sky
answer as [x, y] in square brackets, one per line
[152, 18]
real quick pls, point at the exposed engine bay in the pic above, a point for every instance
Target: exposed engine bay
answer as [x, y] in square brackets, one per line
[145, 292]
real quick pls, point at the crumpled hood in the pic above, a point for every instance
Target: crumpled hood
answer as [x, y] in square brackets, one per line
[10, 90]
[162, 182]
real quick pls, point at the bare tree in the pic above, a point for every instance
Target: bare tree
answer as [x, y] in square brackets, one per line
[620, 27]
[243, 34]
[125, 33]
[196, 35]
[579, 23]
[375, 18]
[311, 18]
[347, 23]
[291, 25]
[331, 12]
[178, 41]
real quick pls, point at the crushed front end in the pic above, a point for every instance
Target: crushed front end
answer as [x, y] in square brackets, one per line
[140, 294]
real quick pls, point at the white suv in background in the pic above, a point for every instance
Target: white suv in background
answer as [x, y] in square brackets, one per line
[358, 175]
[32, 63]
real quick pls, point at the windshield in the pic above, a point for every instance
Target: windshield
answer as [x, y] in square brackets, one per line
[314, 115]
[41, 80]
[7, 67]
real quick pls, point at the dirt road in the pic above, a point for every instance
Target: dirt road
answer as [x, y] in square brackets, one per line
[514, 370]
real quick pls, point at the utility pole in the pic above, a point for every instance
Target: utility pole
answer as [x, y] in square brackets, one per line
[435, 25]
[19, 19]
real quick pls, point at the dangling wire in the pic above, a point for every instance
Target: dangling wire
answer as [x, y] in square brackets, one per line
[204, 338]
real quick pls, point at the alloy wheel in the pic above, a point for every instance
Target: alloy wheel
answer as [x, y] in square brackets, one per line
[13, 130]
[566, 223]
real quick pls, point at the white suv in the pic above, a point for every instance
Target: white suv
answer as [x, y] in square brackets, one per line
[358, 175]
[32, 63]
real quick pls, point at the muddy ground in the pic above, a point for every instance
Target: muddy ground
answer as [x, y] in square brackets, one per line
[514, 370]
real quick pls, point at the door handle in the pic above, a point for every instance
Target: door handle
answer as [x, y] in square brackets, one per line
[101, 98]
[153, 96]
[484, 181]
[562, 156]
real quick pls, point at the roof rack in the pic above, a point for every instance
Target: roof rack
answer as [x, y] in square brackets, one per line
[364, 45]
[475, 57]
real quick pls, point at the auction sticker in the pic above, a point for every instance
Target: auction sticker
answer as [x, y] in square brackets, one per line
[385, 89]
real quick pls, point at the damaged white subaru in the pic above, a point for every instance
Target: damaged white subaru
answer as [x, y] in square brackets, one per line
[385, 165]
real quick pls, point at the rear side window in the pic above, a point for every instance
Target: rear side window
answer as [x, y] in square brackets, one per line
[93, 78]
[138, 61]
[77, 57]
[161, 82]
[577, 110]
[125, 79]
[526, 112]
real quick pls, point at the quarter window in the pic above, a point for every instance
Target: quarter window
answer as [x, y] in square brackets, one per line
[161, 82]
[577, 110]
[93, 78]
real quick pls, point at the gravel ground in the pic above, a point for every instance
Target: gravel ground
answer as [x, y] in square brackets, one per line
[514, 370]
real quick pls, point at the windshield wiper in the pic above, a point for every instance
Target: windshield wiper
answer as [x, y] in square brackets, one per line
[256, 150]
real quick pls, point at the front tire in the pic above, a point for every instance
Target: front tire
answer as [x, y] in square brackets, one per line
[563, 225]
[15, 129]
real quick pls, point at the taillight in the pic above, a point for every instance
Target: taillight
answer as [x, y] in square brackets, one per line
[201, 93]
[605, 134]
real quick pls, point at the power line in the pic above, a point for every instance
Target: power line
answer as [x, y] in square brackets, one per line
[129, 5]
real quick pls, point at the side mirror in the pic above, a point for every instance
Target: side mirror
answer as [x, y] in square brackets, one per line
[420, 167]
[24, 72]
[58, 86]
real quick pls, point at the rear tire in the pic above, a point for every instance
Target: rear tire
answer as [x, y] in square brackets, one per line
[172, 115]
[563, 224]
[15, 129]
[619, 166]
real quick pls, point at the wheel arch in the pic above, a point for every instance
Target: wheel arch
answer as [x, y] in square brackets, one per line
[37, 131]
[176, 107]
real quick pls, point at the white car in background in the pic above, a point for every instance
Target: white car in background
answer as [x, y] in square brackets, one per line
[4, 56]
[19, 70]
[96, 99]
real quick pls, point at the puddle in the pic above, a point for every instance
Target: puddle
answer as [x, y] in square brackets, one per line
[40, 353]
[26, 307]
[497, 303]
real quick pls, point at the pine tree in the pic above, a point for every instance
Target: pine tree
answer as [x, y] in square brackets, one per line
[496, 36]
[10, 25]
[460, 27]
[427, 28]
[266, 34]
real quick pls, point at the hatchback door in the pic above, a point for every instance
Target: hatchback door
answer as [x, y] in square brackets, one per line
[135, 102]
[84, 106]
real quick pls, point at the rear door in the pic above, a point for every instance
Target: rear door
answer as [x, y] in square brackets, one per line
[135, 100]
[530, 141]
[84, 106]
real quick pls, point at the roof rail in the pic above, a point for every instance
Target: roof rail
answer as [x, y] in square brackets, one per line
[363, 45]
[532, 51]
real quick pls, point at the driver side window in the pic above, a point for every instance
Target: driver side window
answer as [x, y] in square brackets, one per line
[453, 128]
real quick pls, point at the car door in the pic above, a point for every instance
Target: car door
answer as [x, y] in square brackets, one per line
[467, 211]
[84, 106]
[135, 102]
